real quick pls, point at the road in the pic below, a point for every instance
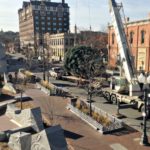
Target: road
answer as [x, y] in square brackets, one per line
[131, 117]
[80, 135]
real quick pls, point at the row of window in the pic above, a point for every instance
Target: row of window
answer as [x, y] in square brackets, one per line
[52, 8]
[49, 29]
[49, 23]
[53, 13]
[61, 42]
[50, 18]
[131, 37]
[58, 52]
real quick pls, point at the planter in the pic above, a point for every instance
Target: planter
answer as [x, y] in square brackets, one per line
[116, 124]
[54, 90]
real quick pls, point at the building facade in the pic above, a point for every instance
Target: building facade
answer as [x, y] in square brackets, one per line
[39, 17]
[58, 44]
[138, 36]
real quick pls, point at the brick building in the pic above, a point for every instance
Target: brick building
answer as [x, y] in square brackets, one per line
[138, 36]
[39, 17]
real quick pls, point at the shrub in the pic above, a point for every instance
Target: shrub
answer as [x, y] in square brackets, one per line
[85, 110]
[78, 105]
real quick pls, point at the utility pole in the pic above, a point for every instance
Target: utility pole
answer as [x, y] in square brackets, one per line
[144, 138]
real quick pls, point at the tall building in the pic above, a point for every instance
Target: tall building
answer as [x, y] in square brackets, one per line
[138, 37]
[39, 17]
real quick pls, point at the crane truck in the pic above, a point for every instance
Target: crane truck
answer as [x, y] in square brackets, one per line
[124, 88]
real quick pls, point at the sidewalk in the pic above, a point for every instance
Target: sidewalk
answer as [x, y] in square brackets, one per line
[80, 135]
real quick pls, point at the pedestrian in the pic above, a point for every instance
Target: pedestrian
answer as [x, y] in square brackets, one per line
[113, 82]
[10, 77]
[142, 80]
[16, 77]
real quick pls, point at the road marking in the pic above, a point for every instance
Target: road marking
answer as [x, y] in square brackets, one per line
[118, 146]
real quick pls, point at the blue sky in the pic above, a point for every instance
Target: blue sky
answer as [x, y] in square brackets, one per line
[98, 18]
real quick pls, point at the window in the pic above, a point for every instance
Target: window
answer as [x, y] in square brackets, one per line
[48, 12]
[60, 19]
[48, 18]
[66, 9]
[54, 8]
[43, 28]
[65, 18]
[48, 23]
[60, 11]
[60, 29]
[36, 17]
[60, 24]
[142, 36]
[43, 23]
[54, 29]
[54, 18]
[36, 22]
[49, 29]
[66, 41]
[131, 37]
[42, 18]
[65, 24]
[65, 29]
[36, 6]
[113, 38]
[36, 12]
[37, 28]
[54, 23]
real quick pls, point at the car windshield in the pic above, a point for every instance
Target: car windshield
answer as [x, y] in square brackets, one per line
[58, 70]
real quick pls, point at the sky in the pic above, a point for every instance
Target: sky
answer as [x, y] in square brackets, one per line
[83, 13]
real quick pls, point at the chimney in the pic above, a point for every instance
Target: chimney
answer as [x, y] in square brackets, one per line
[63, 1]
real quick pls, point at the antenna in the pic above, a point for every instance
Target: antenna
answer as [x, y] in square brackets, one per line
[89, 8]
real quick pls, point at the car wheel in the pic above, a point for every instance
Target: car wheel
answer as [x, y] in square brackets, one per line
[113, 99]
[107, 96]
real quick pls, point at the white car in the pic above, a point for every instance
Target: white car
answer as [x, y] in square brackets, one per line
[56, 72]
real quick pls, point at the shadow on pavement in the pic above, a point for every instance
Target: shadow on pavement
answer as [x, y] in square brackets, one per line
[64, 85]
[72, 135]
[5, 97]
[2, 111]
[139, 118]
[126, 130]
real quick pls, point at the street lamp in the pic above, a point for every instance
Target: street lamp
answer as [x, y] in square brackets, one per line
[43, 60]
[144, 138]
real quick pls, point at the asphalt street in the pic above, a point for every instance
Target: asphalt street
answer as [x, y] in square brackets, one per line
[132, 117]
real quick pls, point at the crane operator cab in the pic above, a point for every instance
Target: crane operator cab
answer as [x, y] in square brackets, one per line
[119, 84]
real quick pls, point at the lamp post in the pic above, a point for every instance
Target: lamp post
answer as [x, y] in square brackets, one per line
[43, 60]
[43, 14]
[144, 138]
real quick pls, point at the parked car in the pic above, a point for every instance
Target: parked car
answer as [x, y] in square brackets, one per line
[56, 72]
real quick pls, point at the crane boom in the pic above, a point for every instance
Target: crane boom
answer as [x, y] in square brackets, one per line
[121, 40]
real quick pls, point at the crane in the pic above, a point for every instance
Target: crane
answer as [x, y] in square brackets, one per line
[124, 50]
